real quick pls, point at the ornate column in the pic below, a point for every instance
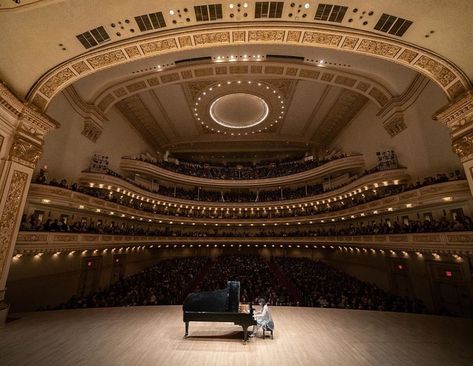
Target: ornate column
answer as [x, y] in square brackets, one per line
[22, 129]
[458, 116]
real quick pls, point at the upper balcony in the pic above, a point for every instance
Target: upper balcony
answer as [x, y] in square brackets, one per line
[434, 195]
[354, 163]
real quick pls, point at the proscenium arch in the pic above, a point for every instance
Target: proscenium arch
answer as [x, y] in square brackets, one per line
[448, 76]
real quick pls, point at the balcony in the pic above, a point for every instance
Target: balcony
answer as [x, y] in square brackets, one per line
[52, 242]
[351, 163]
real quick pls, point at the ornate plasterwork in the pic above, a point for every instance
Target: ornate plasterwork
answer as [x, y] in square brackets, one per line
[134, 110]
[91, 130]
[9, 217]
[463, 146]
[275, 97]
[346, 107]
[395, 125]
[450, 78]
[370, 88]
[25, 151]
[94, 119]
[458, 116]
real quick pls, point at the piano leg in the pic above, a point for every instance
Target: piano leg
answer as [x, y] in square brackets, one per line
[245, 333]
[187, 330]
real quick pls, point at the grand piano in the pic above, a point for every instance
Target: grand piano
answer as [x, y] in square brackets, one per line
[218, 306]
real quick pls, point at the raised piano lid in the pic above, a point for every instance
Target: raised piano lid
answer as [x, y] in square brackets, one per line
[225, 300]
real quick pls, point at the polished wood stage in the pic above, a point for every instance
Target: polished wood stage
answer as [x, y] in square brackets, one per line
[303, 336]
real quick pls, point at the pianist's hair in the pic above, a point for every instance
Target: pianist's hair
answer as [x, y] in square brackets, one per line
[262, 301]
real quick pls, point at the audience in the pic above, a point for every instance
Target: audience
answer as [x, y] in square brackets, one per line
[240, 170]
[327, 287]
[254, 274]
[321, 285]
[166, 283]
[147, 205]
[461, 223]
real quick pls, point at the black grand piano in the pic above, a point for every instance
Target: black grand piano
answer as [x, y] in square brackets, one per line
[218, 306]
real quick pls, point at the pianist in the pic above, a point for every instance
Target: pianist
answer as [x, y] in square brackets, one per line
[263, 318]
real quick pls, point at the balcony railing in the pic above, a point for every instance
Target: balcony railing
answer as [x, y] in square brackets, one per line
[52, 242]
[350, 163]
[428, 196]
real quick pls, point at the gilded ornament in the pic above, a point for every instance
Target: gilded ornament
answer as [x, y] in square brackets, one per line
[407, 56]
[440, 73]
[158, 46]
[25, 152]
[132, 51]
[326, 39]
[10, 215]
[80, 67]
[266, 35]
[378, 48]
[212, 38]
[349, 43]
[55, 81]
[106, 59]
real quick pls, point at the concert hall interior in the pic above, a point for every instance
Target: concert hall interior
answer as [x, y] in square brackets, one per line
[167, 162]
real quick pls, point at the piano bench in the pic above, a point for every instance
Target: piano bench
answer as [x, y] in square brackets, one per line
[265, 329]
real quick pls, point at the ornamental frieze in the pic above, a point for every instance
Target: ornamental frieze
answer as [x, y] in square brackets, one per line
[331, 40]
[54, 82]
[442, 74]
[106, 59]
[378, 48]
[211, 38]
[428, 238]
[266, 35]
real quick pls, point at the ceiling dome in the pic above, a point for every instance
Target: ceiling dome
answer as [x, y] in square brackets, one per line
[239, 110]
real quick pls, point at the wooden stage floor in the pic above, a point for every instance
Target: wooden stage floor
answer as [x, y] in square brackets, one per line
[303, 336]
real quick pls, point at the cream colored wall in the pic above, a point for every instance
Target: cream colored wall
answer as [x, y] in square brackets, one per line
[67, 152]
[50, 280]
[424, 147]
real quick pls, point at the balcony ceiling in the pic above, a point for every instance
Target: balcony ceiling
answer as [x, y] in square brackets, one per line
[325, 73]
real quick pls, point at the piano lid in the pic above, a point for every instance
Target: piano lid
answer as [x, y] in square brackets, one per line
[225, 300]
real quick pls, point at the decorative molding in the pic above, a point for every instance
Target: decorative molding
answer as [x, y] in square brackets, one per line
[30, 120]
[395, 124]
[463, 146]
[112, 94]
[91, 130]
[440, 242]
[402, 102]
[450, 78]
[458, 116]
[9, 216]
[134, 110]
[94, 118]
[24, 151]
[345, 108]
[274, 94]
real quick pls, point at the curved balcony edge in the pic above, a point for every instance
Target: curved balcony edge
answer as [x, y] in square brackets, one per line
[451, 242]
[350, 163]
[377, 177]
[419, 198]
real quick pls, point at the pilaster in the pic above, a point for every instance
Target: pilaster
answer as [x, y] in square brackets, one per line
[22, 130]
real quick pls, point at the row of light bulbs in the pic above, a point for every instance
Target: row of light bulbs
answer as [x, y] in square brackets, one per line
[401, 253]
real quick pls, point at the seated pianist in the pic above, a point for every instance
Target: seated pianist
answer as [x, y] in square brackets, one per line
[263, 318]
[218, 306]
